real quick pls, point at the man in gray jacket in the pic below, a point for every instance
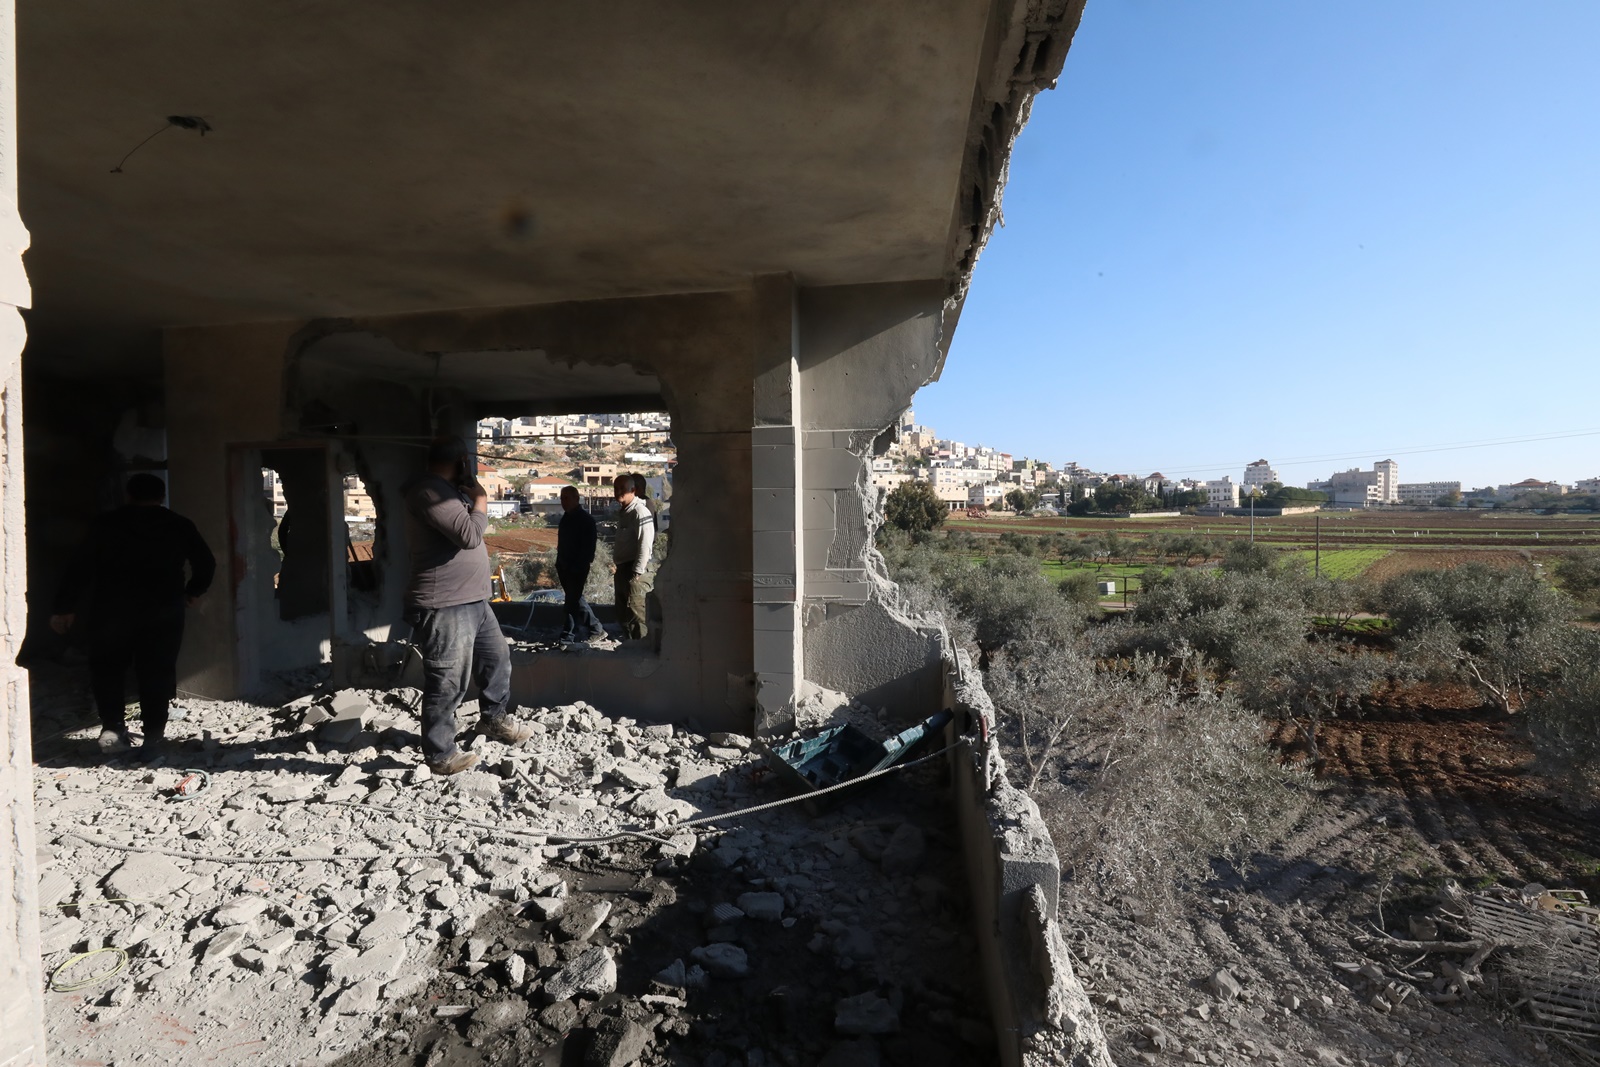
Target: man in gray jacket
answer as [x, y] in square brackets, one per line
[636, 539]
[447, 605]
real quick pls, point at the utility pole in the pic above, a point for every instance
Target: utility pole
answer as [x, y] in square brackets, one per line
[1319, 547]
[1252, 515]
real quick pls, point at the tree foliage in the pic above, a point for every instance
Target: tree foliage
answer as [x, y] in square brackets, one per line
[914, 506]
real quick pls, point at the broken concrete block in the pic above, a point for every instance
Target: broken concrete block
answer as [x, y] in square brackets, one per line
[1224, 985]
[903, 854]
[349, 710]
[723, 739]
[516, 969]
[722, 960]
[383, 960]
[143, 876]
[227, 942]
[617, 1043]
[238, 911]
[637, 775]
[496, 1015]
[762, 907]
[359, 999]
[579, 923]
[288, 794]
[313, 717]
[866, 1013]
[546, 908]
[60, 935]
[592, 973]
[560, 1016]
[723, 913]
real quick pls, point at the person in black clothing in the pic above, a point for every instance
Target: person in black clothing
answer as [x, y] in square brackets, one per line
[575, 541]
[134, 560]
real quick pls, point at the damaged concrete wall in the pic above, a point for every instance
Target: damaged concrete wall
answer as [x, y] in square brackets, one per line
[223, 388]
[1038, 1006]
[863, 351]
[21, 983]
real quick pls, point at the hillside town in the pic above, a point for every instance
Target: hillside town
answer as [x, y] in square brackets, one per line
[526, 462]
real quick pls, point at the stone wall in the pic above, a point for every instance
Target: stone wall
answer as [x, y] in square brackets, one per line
[1039, 1008]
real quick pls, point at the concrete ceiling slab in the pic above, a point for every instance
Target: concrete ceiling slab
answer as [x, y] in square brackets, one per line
[370, 158]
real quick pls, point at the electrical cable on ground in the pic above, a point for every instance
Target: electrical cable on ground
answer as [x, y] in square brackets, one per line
[703, 820]
[122, 965]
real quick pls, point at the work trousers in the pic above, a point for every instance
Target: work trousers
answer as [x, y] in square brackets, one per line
[460, 645]
[630, 589]
[148, 641]
[581, 621]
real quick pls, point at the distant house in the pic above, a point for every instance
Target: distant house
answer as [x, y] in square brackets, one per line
[1222, 493]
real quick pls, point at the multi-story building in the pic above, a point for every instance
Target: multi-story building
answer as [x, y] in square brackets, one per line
[600, 473]
[888, 480]
[1222, 493]
[1426, 492]
[1528, 485]
[1586, 485]
[1260, 474]
[1359, 488]
[986, 496]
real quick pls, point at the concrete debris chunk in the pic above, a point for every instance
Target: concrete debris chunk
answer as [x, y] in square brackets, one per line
[579, 923]
[903, 854]
[385, 926]
[145, 876]
[762, 907]
[729, 740]
[239, 910]
[349, 710]
[359, 999]
[496, 1015]
[1224, 985]
[722, 959]
[659, 731]
[516, 969]
[723, 913]
[592, 973]
[617, 1043]
[637, 775]
[382, 960]
[60, 935]
[866, 1013]
[560, 1016]
[225, 943]
[546, 908]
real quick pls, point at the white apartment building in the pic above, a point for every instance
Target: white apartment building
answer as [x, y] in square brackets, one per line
[1259, 474]
[1359, 488]
[957, 476]
[986, 496]
[954, 496]
[1426, 492]
[1222, 493]
[888, 480]
[1586, 485]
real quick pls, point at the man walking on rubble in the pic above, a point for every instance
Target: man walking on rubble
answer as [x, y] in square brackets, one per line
[636, 538]
[134, 560]
[447, 605]
[575, 543]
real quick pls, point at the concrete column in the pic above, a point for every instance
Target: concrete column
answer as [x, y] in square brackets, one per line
[21, 981]
[777, 567]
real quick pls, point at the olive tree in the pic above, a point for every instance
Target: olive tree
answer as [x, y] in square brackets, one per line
[1500, 628]
[914, 506]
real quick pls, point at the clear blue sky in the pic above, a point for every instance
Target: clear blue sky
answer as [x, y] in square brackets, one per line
[1251, 229]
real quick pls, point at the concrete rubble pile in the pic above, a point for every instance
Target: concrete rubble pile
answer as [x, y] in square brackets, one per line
[468, 918]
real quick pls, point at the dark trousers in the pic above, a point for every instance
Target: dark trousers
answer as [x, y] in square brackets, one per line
[146, 641]
[459, 645]
[581, 621]
[630, 589]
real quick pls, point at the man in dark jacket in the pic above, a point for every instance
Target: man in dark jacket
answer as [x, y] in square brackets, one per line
[134, 561]
[447, 605]
[575, 541]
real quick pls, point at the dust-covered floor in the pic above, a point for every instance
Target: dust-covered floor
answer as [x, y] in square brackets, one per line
[451, 924]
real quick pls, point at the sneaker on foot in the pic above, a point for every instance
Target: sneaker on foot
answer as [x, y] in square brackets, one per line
[453, 764]
[114, 741]
[506, 730]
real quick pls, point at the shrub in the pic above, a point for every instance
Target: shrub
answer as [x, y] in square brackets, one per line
[1564, 720]
[1249, 557]
[1499, 628]
[1229, 617]
[1579, 574]
[1153, 784]
[1080, 587]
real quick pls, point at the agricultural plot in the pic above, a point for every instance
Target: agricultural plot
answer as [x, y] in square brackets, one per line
[1342, 563]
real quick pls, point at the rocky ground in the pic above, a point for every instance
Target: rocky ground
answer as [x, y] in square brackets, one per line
[1427, 793]
[324, 899]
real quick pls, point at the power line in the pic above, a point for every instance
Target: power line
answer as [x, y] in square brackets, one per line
[1301, 461]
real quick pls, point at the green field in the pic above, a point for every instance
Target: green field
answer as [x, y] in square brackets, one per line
[1342, 563]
